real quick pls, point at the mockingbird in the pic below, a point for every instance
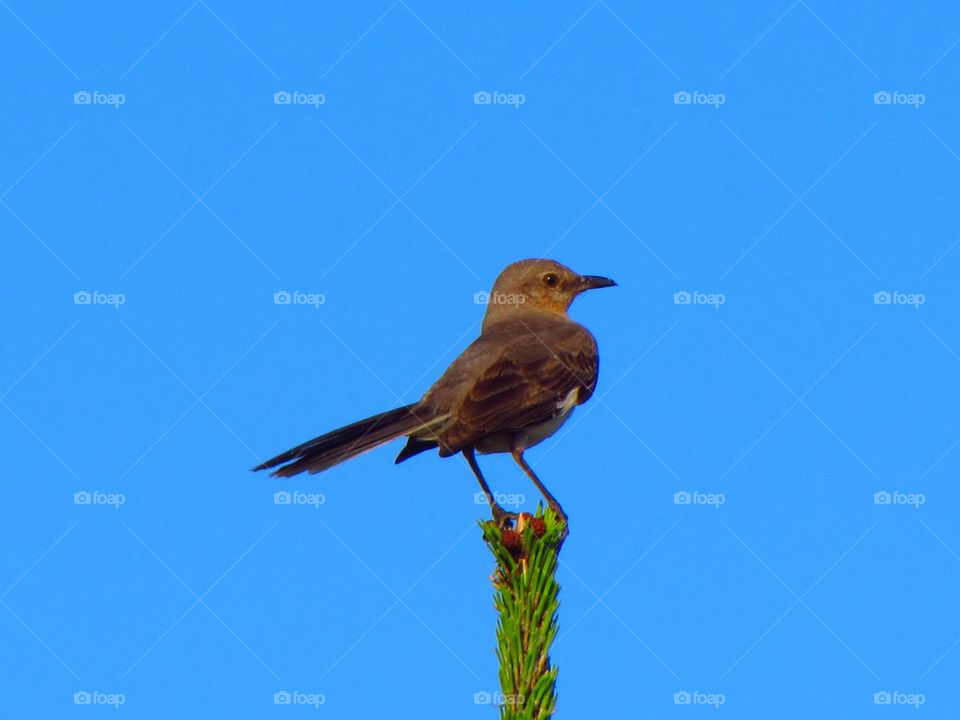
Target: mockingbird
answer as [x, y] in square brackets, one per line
[513, 387]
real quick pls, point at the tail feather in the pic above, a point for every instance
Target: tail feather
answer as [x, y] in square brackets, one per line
[335, 447]
[415, 446]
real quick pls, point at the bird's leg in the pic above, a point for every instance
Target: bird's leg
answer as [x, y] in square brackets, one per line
[500, 516]
[551, 500]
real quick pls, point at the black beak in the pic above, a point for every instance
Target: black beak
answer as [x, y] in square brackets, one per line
[592, 282]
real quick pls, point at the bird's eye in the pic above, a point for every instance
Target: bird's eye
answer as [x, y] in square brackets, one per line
[551, 280]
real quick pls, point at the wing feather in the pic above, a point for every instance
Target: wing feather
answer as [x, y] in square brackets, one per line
[527, 383]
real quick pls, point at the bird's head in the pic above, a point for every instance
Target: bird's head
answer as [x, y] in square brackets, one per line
[541, 284]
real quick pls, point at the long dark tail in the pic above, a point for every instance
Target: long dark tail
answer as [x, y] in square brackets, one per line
[339, 445]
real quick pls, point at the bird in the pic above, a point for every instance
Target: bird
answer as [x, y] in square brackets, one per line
[510, 389]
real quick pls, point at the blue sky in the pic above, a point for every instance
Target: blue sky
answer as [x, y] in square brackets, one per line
[762, 492]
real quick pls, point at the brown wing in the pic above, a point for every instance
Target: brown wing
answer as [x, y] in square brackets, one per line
[526, 384]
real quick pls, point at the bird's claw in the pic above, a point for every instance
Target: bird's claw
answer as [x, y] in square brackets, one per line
[562, 517]
[505, 520]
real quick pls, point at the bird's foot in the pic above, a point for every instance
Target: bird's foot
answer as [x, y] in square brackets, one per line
[505, 520]
[562, 517]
